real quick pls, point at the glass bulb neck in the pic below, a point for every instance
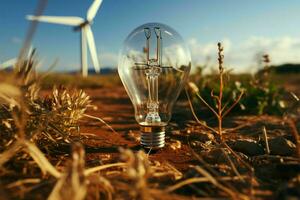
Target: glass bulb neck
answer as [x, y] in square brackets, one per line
[152, 137]
[152, 115]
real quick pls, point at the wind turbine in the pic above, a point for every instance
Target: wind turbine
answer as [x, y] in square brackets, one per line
[12, 62]
[8, 63]
[82, 25]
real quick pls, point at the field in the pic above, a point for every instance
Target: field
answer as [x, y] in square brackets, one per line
[98, 156]
[66, 136]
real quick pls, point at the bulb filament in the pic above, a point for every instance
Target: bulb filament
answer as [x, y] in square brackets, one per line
[152, 69]
[152, 75]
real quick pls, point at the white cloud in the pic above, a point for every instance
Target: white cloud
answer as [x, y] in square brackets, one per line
[16, 40]
[108, 59]
[242, 56]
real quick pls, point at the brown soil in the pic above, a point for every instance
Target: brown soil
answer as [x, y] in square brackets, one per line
[274, 176]
[114, 107]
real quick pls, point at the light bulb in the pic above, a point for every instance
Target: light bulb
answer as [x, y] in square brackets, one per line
[154, 65]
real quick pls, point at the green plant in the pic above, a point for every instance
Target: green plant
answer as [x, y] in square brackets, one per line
[262, 95]
[219, 110]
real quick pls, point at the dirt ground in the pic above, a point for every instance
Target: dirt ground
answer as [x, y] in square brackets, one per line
[184, 139]
[245, 164]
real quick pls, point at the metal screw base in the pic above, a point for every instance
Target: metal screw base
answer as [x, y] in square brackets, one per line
[153, 140]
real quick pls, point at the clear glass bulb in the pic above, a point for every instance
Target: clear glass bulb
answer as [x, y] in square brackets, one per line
[154, 65]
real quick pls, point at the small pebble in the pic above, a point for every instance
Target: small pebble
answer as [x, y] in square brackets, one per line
[281, 146]
[175, 144]
[247, 146]
[202, 136]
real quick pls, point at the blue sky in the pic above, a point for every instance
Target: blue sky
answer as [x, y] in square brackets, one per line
[246, 28]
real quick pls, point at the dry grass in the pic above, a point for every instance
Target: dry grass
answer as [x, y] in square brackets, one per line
[31, 123]
[34, 128]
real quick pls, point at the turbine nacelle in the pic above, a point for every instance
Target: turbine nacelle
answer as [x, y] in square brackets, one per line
[85, 23]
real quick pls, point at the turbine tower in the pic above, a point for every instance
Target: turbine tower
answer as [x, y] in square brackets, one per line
[82, 25]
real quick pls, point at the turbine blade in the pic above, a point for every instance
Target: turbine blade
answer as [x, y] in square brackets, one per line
[71, 21]
[8, 63]
[30, 50]
[92, 11]
[92, 48]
